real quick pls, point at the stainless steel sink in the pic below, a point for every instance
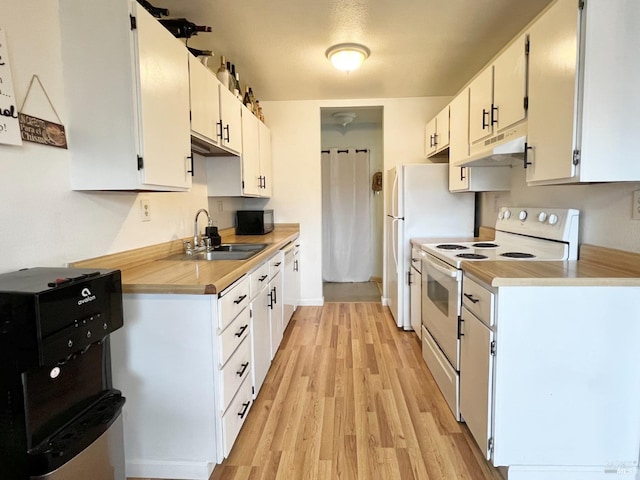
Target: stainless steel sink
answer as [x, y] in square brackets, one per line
[226, 251]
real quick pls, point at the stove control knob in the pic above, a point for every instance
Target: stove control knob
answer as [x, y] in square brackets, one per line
[507, 214]
[522, 215]
[542, 216]
[500, 215]
[553, 219]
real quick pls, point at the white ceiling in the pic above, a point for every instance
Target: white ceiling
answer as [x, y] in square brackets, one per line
[418, 47]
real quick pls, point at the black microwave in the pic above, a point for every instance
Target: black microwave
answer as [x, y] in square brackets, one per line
[254, 222]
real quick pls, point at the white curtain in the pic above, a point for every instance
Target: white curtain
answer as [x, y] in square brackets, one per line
[346, 213]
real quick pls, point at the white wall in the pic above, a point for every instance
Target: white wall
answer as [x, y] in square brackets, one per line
[296, 142]
[369, 136]
[605, 209]
[44, 223]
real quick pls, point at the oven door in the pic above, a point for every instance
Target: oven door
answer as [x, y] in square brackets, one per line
[441, 286]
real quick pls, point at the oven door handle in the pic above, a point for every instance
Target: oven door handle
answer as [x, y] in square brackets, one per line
[444, 270]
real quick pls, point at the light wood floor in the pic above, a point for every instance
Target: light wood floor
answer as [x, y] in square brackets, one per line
[348, 396]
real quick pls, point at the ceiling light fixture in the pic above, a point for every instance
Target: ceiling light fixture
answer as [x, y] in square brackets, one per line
[344, 118]
[347, 56]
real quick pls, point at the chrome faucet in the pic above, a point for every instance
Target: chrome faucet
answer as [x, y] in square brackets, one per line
[196, 237]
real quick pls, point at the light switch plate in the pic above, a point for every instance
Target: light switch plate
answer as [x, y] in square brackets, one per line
[635, 213]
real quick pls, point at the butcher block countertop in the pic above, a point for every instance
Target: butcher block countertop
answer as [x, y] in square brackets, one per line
[597, 266]
[146, 270]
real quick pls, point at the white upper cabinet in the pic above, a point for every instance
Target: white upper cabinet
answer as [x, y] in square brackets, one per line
[510, 86]
[231, 118]
[251, 178]
[470, 179]
[265, 160]
[497, 96]
[437, 133]
[480, 101]
[205, 103]
[248, 175]
[583, 81]
[127, 85]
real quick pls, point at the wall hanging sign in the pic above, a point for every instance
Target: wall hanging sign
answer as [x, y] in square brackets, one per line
[9, 125]
[37, 130]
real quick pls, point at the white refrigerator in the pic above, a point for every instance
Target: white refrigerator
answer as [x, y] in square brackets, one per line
[418, 204]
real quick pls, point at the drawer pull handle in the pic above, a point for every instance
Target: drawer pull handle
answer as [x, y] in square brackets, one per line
[263, 278]
[275, 295]
[241, 331]
[277, 264]
[244, 366]
[240, 299]
[470, 297]
[245, 407]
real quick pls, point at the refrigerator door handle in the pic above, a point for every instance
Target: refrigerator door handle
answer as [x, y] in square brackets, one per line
[394, 196]
[394, 238]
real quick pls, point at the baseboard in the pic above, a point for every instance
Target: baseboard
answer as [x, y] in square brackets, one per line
[602, 472]
[311, 302]
[385, 301]
[168, 469]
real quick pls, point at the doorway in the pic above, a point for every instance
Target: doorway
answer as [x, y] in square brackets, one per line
[352, 208]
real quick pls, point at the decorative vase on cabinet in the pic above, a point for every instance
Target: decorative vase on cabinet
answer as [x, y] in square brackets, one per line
[128, 98]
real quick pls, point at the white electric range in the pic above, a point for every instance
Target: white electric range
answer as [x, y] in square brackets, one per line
[522, 234]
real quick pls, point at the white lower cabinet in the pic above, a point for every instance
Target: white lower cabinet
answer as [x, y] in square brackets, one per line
[276, 283]
[291, 282]
[184, 364]
[546, 377]
[260, 328]
[476, 379]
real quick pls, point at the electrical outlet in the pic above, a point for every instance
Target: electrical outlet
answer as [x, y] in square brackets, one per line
[145, 210]
[635, 213]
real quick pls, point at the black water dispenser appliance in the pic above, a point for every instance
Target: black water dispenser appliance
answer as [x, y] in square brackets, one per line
[60, 417]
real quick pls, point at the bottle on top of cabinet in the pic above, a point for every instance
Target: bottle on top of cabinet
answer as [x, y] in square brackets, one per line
[223, 72]
[183, 28]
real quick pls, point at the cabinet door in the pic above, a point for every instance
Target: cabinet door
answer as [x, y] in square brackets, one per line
[205, 101]
[510, 85]
[164, 105]
[231, 118]
[415, 302]
[430, 138]
[552, 93]
[276, 312]
[260, 338]
[265, 159]
[480, 99]
[250, 154]
[459, 142]
[442, 130]
[476, 379]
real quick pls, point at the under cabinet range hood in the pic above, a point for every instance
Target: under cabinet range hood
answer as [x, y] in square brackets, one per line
[207, 149]
[504, 148]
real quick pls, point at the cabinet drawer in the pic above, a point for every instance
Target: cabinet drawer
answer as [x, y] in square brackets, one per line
[237, 368]
[233, 336]
[259, 278]
[478, 300]
[443, 373]
[275, 264]
[233, 300]
[235, 416]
